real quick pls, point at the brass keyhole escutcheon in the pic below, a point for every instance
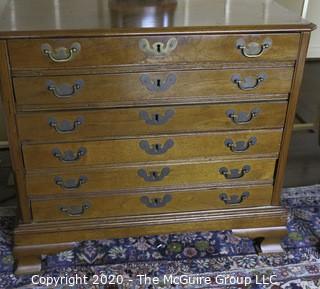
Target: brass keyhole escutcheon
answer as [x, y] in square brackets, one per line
[157, 147]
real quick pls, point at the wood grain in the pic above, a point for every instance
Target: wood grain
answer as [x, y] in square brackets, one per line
[154, 149]
[117, 227]
[122, 89]
[34, 127]
[127, 178]
[28, 255]
[131, 204]
[151, 68]
[110, 51]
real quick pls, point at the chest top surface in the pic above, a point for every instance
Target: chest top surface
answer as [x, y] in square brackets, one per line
[36, 18]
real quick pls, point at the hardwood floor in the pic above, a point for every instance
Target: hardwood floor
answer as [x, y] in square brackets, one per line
[304, 158]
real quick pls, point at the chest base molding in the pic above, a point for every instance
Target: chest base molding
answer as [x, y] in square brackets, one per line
[32, 239]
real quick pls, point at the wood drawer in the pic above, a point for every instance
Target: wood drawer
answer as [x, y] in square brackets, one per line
[53, 126]
[89, 180]
[116, 205]
[111, 51]
[152, 149]
[162, 87]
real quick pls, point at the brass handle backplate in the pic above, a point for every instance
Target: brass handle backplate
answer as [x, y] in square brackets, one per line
[69, 156]
[154, 176]
[233, 199]
[253, 49]
[64, 90]
[156, 118]
[61, 54]
[234, 173]
[70, 184]
[158, 49]
[248, 83]
[242, 117]
[240, 146]
[156, 202]
[158, 85]
[156, 149]
[65, 126]
[75, 211]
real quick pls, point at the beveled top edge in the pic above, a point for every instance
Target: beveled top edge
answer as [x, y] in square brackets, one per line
[156, 31]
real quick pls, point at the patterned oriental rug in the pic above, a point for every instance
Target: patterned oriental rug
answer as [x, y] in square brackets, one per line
[216, 260]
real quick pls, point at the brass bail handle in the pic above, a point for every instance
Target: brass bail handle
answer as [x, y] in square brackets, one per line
[233, 199]
[75, 211]
[253, 49]
[234, 173]
[248, 83]
[65, 90]
[61, 54]
[240, 146]
[242, 117]
[65, 126]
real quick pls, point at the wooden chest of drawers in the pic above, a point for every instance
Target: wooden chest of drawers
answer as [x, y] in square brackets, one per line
[122, 130]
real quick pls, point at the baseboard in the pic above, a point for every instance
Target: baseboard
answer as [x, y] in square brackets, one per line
[4, 144]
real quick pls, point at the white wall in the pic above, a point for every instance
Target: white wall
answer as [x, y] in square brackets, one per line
[294, 5]
[314, 16]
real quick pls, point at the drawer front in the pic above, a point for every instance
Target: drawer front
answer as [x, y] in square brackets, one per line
[151, 50]
[151, 176]
[117, 205]
[151, 149]
[81, 125]
[164, 87]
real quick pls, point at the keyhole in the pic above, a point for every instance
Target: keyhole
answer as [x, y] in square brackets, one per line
[156, 117]
[158, 82]
[156, 201]
[157, 147]
[154, 175]
[158, 48]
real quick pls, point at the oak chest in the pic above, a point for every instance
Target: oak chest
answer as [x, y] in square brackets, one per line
[139, 119]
